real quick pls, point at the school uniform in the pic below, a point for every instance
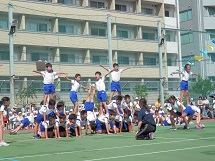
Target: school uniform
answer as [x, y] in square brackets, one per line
[46, 125]
[44, 109]
[61, 125]
[48, 81]
[101, 121]
[81, 122]
[184, 81]
[72, 127]
[115, 84]
[59, 111]
[100, 86]
[73, 93]
[167, 121]
[28, 120]
[148, 124]
[177, 109]
[2, 109]
[124, 105]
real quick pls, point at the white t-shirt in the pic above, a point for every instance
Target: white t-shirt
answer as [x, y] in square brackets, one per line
[91, 116]
[47, 125]
[100, 84]
[31, 118]
[176, 106]
[44, 109]
[2, 108]
[167, 106]
[206, 102]
[124, 104]
[81, 122]
[103, 119]
[48, 77]
[115, 75]
[213, 104]
[112, 105]
[186, 75]
[68, 124]
[75, 85]
[63, 124]
[118, 118]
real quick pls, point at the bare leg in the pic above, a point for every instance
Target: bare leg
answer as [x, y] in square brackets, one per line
[187, 96]
[105, 106]
[36, 129]
[172, 121]
[88, 95]
[1, 132]
[182, 95]
[93, 94]
[75, 107]
[100, 108]
[185, 120]
[111, 96]
[45, 99]
[54, 96]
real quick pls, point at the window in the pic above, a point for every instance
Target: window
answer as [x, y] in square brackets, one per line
[98, 32]
[123, 60]
[166, 13]
[148, 36]
[122, 34]
[97, 4]
[149, 61]
[147, 11]
[34, 26]
[167, 37]
[4, 55]
[65, 1]
[39, 56]
[3, 24]
[99, 59]
[211, 33]
[169, 62]
[186, 15]
[211, 11]
[67, 58]
[119, 7]
[187, 38]
[66, 29]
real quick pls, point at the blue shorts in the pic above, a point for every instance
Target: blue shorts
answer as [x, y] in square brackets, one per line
[100, 126]
[184, 85]
[62, 129]
[189, 111]
[49, 88]
[115, 86]
[39, 118]
[25, 122]
[89, 106]
[166, 123]
[73, 96]
[42, 128]
[101, 96]
[51, 114]
[117, 124]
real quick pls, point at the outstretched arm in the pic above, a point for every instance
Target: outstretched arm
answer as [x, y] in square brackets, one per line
[35, 71]
[195, 74]
[176, 73]
[60, 73]
[85, 87]
[67, 78]
[104, 67]
[109, 73]
[126, 69]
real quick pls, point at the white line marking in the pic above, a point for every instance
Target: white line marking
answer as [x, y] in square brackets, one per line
[111, 148]
[132, 155]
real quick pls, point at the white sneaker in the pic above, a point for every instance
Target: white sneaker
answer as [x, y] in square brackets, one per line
[3, 144]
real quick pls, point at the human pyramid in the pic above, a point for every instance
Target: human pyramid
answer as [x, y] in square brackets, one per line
[118, 116]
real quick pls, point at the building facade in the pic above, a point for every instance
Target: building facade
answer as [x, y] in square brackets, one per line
[197, 18]
[72, 35]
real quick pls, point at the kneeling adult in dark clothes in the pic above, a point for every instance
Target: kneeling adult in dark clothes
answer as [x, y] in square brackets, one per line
[146, 123]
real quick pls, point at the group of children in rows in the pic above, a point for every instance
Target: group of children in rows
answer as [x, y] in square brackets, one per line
[115, 117]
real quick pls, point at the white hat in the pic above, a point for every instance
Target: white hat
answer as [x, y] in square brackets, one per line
[136, 98]
[191, 99]
[71, 110]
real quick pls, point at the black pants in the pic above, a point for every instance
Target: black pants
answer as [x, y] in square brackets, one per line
[145, 130]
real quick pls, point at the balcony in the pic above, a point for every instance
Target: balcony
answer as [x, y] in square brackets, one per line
[208, 3]
[209, 22]
[170, 2]
[81, 13]
[26, 38]
[172, 47]
[170, 22]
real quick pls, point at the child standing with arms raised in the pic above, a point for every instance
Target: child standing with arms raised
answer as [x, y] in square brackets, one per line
[4, 103]
[184, 82]
[115, 75]
[73, 93]
[48, 80]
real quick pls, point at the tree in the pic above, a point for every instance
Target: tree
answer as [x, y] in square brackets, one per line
[203, 87]
[141, 91]
[25, 93]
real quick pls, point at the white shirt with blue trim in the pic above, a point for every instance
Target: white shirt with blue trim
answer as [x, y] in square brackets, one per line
[75, 85]
[100, 84]
[115, 75]
[48, 77]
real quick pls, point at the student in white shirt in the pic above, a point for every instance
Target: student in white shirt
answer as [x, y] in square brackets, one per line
[48, 80]
[61, 126]
[101, 95]
[72, 126]
[73, 93]
[48, 128]
[127, 104]
[25, 122]
[4, 103]
[115, 75]
[184, 82]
